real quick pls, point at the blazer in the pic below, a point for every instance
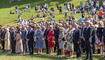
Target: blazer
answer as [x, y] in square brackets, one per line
[30, 35]
[24, 34]
[76, 36]
[87, 33]
[3, 35]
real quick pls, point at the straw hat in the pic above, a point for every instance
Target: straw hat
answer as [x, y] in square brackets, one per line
[51, 26]
[61, 29]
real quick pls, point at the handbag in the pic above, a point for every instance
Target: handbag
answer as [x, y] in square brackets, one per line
[98, 41]
[63, 39]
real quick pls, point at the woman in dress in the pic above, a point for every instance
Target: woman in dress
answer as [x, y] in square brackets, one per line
[51, 41]
[7, 40]
[39, 40]
[99, 35]
[61, 40]
[43, 30]
[70, 41]
[19, 45]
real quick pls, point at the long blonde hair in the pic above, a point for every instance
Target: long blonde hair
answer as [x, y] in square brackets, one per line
[101, 24]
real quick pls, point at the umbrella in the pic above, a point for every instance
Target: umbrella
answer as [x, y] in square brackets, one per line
[81, 19]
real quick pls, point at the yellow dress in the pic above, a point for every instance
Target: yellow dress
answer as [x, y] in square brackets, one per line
[7, 41]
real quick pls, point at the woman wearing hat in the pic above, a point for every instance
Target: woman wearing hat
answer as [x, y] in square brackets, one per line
[70, 41]
[19, 44]
[39, 40]
[51, 40]
[61, 41]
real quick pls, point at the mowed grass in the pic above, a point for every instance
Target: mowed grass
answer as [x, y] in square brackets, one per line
[11, 19]
[5, 56]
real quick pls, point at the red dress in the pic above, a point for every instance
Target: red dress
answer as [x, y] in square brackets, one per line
[51, 39]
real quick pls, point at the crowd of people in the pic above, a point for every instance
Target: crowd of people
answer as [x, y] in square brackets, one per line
[63, 37]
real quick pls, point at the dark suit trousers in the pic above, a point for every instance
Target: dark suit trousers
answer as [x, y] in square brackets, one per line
[78, 50]
[31, 47]
[13, 45]
[82, 45]
[89, 50]
[3, 43]
[47, 49]
[57, 47]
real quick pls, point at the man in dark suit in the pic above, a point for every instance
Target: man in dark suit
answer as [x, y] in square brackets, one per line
[93, 38]
[82, 40]
[46, 39]
[12, 39]
[88, 41]
[56, 35]
[77, 41]
[2, 37]
[24, 36]
[30, 37]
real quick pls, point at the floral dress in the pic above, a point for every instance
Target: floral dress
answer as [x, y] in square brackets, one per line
[69, 42]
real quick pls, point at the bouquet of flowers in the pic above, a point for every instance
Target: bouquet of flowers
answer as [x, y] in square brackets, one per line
[53, 42]
[66, 52]
[97, 41]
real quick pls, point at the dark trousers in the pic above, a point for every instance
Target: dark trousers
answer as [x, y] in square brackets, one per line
[3, 43]
[31, 47]
[78, 50]
[47, 48]
[93, 47]
[83, 45]
[13, 45]
[24, 46]
[56, 48]
[89, 51]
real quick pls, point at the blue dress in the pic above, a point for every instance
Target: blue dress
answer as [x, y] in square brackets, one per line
[39, 37]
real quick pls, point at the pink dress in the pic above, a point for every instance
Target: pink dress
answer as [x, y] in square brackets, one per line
[19, 45]
[51, 41]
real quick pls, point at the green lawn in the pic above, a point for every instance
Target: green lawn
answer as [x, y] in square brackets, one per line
[5, 56]
[5, 7]
[6, 18]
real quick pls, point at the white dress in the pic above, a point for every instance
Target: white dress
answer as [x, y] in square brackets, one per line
[7, 41]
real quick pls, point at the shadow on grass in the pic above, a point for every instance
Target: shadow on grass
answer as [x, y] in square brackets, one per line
[6, 4]
[55, 57]
[99, 57]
